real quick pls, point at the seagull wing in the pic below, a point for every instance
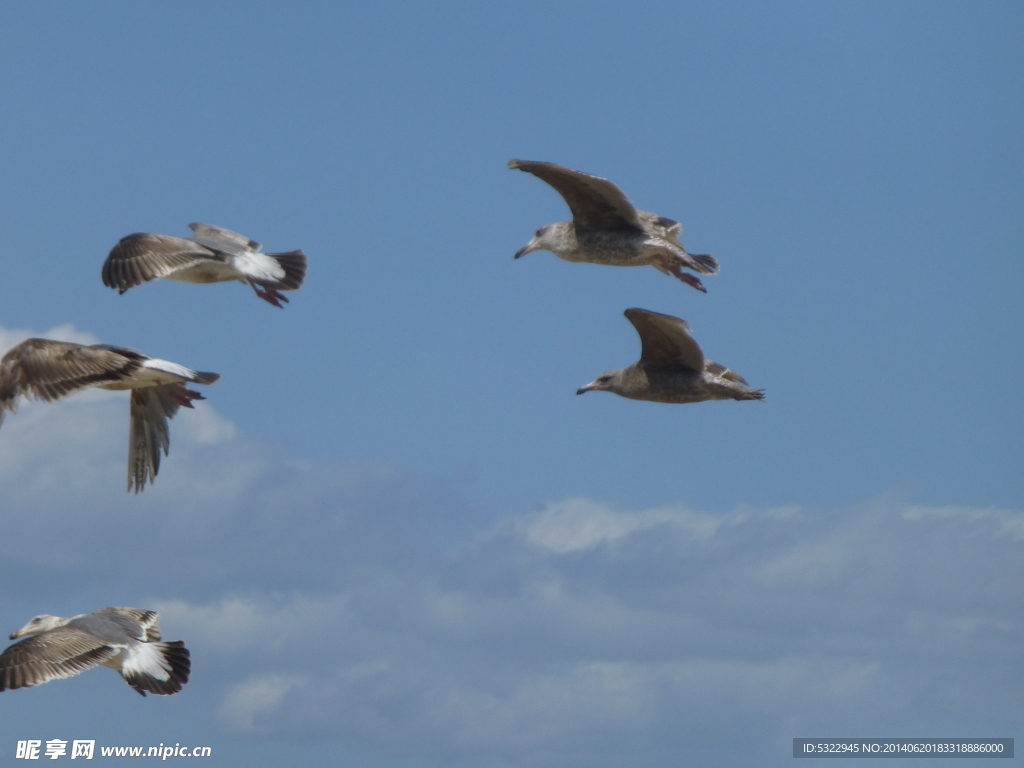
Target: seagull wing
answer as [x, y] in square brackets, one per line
[223, 240]
[720, 370]
[61, 652]
[142, 257]
[662, 226]
[148, 621]
[594, 202]
[151, 407]
[665, 340]
[48, 370]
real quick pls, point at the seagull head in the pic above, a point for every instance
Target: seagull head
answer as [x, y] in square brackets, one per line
[41, 623]
[609, 381]
[550, 237]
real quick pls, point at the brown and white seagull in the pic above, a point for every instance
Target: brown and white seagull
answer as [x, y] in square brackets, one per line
[125, 639]
[607, 229]
[672, 367]
[211, 255]
[49, 370]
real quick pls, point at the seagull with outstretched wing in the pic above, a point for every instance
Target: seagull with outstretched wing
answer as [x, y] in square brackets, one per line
[607, 229]
[49, 370]
[211, 255]
[672, 367]
[125, 639]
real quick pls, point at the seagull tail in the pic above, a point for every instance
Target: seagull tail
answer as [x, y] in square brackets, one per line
[294, 265]
[708, 264]
[750, 394]
[204, 377]
[160, 668]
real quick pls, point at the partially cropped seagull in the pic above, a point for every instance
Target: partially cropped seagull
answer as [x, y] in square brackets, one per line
[672, 368]
[49, 370]
[607, 229]
[211, 255]
[125, 639]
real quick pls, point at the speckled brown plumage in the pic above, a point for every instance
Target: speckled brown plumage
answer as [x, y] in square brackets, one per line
[607, 229]
[672, 367]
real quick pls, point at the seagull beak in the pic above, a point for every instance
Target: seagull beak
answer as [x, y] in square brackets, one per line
[586, 388]
[15, 635]
[530, 248]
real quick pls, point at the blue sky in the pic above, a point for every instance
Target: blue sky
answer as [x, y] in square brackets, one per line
[394, 535]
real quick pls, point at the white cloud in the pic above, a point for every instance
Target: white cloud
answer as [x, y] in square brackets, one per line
[1009, 523]
[265, 622]
[247, 701]
[511, 649]
[580, 524]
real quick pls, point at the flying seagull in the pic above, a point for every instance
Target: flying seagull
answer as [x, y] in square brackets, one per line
[211, 255]
[125, 639]
[607, 229]
[672, 368]
[49, 370]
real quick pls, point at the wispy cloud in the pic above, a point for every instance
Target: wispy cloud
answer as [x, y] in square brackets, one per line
[580, 524]
[253, 698]
[768, 621]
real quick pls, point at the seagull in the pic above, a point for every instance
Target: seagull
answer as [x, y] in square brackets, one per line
[672, 368]
[607, 229]
[49, 370]
[125, 639]
[211, 255]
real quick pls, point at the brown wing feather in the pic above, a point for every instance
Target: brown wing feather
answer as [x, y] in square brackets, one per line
[594, 202]
[61, 652]
[142, 256]
[151, 407]
[49, 370]
[665, 340]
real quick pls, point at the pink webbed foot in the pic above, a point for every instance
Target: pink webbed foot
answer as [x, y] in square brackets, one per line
[270, 295]
[686, 277]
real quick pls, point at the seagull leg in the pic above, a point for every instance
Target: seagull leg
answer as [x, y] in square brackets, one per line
[687, 278]
[183, 396]
[271, 295]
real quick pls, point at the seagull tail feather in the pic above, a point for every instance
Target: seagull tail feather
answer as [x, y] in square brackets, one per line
[294, 265]
[708, 263]
[750, 394]
[174, 660]
[204, 377]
